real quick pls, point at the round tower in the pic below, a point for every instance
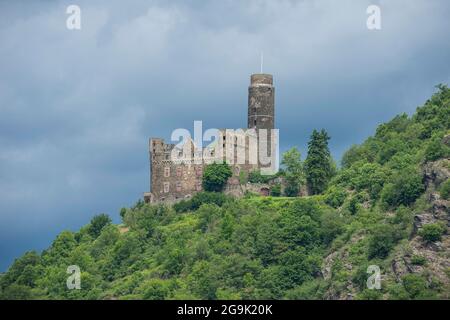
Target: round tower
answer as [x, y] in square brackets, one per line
[261, 102]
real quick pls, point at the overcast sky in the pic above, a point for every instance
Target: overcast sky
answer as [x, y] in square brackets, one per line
[77, 106]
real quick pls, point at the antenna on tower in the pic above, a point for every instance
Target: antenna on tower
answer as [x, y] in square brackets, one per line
[262, 61]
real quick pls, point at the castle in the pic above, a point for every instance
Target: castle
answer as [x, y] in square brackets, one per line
[176, 170]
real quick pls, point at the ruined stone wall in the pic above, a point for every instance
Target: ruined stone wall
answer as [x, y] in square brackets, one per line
[172, 181]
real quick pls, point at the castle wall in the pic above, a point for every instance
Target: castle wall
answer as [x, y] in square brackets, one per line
[173, 181]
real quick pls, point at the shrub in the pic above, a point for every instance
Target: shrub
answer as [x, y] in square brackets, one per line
[353, 205]
[335, 196]
[307, 291]
[370, 177]
[445, 189]
[436, 149]
[291, 190]
[383, 239]
[415, 285]
[98, 223]
[432, 232]
[215, 176]
[332, 224]
[353, 154]
[404, 189]
[201, 198]
[155, 289]
[275, 190]
[418, 260]
[370, 294]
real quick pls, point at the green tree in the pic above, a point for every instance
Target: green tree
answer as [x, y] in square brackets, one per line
[415, 285]
[16, 292]
[383, 239]
[275, 190]
[436, 149]
[445, 190]
[24, 271]
[156, 289]
[201, 198]
[215, 176]
[432, 232]
[335, 196]
[98, 222]
[405, 187]
[293, 171]
[318, 164]
[332, 224]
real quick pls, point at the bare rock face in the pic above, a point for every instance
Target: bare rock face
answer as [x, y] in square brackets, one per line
[399, 267]
[437, 254]
[434, 173]
[326, 270]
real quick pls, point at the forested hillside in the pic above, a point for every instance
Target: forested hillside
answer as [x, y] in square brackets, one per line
[386, 205]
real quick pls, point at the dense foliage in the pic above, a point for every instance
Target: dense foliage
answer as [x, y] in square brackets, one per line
[318, 164]
[293, 172]
[215, 176]
[216, 247]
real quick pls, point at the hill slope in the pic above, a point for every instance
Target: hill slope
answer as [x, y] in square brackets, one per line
[387, 206]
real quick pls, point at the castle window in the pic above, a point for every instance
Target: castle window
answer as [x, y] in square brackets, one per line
[199, 171]
[178, 186]
[179, 171]
[254, 122]
[167, 172]
[167, 157]
[166, 187]
[199, 186]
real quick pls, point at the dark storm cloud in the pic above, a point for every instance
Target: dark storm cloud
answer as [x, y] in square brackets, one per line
[77, 107]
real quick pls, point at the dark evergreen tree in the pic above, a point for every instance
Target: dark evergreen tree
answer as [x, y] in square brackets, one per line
[318, 164]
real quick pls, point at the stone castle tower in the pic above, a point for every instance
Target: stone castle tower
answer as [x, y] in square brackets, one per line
[261, 102]
[172, 181]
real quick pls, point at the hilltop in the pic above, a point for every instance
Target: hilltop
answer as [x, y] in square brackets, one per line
[387, 206]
